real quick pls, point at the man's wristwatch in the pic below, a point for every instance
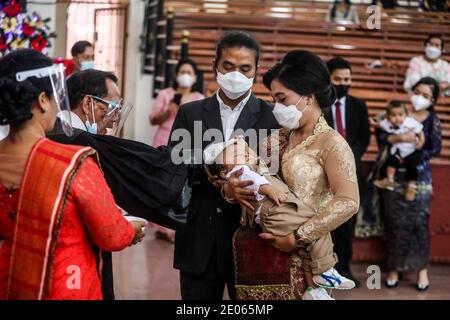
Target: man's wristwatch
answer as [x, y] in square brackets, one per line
[298, 239]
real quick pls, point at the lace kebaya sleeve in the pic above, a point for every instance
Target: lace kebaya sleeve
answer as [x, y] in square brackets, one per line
[339, 164]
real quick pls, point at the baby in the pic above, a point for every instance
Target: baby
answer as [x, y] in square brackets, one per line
[280, 212]
[408, 154]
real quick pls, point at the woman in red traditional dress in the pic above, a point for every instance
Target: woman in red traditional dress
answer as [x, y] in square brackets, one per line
[56, 210]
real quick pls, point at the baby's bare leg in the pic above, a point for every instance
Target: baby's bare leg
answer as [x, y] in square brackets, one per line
[390, 172]
[309, 279]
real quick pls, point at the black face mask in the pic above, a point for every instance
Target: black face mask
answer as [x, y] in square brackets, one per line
[341, 90]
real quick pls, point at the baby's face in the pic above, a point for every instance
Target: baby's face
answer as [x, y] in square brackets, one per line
[238, 154]
[397, 116]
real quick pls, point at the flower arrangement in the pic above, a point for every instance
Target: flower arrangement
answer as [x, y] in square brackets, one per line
[19, 30]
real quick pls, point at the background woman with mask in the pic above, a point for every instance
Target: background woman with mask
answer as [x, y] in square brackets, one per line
[315, 161]
[186, 89]
[165, 108]
[430, 65]
[407, 235]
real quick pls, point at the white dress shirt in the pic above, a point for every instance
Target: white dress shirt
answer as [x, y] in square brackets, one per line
[230, 116]
[333, 110]
[77, 123]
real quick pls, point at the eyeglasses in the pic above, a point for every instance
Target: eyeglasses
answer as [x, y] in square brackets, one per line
[113, 106]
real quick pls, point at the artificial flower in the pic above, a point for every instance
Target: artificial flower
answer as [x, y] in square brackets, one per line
[39, 43]
[27, 29]
[9, 24]
[12, 9]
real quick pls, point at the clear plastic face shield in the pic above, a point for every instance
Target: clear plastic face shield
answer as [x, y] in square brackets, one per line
[116, 114]
[60, 94]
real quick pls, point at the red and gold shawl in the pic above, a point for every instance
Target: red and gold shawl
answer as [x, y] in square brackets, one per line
[263, 272]
[47, 178]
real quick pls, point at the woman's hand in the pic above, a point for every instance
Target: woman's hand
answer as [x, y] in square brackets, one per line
[173, 107]
[406, 137]
[139, 229]
[285, 244]
[236, 190]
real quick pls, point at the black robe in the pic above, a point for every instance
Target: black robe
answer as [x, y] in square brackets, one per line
[144, 181]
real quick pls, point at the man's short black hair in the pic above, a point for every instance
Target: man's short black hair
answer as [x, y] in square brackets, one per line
[237, 39]
[338, 63]
[79, 47]
[88, 82]
[433, 36]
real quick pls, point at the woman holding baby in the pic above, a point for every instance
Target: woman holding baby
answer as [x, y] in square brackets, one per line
[406, 221]
[314, 161]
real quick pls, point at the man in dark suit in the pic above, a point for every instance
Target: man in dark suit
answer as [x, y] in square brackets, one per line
[203, 249]
[349, 116]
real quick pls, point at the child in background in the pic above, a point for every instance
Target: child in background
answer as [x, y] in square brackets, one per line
[398, 122]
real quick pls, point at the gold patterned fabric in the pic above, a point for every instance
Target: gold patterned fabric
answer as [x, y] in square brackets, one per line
[264, 272]
[321, 171]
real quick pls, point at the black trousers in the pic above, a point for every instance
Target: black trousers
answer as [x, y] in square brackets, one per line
[107, 277]
[343, 238]
[410, 163]
[208, 286]
[343, 235]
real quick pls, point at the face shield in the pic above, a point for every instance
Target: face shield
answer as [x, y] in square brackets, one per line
[121, 115]
[58, 81]
[116, 114]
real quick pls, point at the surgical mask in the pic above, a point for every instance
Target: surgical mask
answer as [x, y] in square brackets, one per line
[91, 128]
[234, 84]
[433, 52]
[419, 102]
[341, 90]
[85, 65]
[288, 116]
[185, 80]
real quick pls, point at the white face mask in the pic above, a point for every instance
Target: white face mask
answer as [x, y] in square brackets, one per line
[419, 102]
[433, 52]
[91, 128]
[186, 80]
[288, 116]
[86, 65]
[234, 84]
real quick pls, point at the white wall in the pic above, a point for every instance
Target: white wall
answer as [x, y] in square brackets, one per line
[138, 86]
[57, 12]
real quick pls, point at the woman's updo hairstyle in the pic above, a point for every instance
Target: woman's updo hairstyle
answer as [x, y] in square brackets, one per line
[305, 73]
[17, 98]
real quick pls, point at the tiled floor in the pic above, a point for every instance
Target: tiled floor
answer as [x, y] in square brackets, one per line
[145, 272]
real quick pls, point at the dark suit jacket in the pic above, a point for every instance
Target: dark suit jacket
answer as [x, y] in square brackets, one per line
[212, 221]
[357, 127]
